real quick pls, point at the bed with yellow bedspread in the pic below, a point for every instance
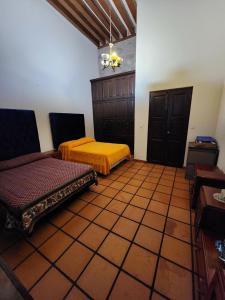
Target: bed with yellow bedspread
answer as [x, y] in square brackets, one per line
[102, 156]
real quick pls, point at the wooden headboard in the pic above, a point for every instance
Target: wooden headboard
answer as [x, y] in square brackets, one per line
[66, 127]
[18, 133]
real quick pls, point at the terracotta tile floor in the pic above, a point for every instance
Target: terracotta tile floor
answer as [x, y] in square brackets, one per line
[127, 238]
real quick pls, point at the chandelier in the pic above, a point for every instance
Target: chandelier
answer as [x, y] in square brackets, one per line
[111, 59]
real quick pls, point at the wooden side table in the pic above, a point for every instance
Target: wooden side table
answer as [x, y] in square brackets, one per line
[208, 176]
[210, 213]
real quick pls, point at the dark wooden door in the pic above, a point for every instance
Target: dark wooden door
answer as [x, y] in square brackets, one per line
[113, 108]
[168, 123]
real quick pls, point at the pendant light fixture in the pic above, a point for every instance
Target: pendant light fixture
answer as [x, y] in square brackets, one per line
[111, 59]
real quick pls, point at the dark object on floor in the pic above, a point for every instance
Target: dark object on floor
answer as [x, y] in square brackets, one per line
[200, 153]
[10, 286]
[209, 176]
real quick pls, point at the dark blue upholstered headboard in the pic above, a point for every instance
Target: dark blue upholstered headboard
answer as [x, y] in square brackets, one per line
[18, 133]
[66, 127]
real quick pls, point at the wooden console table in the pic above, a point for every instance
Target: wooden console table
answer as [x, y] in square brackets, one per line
[208, 176]
[210, 223]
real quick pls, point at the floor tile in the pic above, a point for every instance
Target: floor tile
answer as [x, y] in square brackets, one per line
[151, 179]
[133, 213]
[98, 278]
[123, 179]
[180, 202]
[178, 230]
[105, 181]
[41, 233]
[117, 185]
[52, 278]
[149, 185]
[144, 193]
[127, 288]
[135, 182]
[177, 251]
[114, 248]
[126, 228]
[124, 196]
[77, 205]
[110, 192]
[101, 201]
[17, 253]
[61, 217]
[161, 197]
[32, 269]
[139, 177]
[141, 264]
[148, 238]
[130, 189]
[8, 238]
[164, 189]
[158, 207]
[76, 294]
[181, 193]
[173, 281]
[52, 249]
[97, 188]
[140, 201]
[179, 214]
[156, 296]
[154, 220]
[74, 260]
[106, 219]
[75, 226]
[90, 212]
[93, 236]
[116, 206]
[181, 186]
[165, 182]
[88, 196]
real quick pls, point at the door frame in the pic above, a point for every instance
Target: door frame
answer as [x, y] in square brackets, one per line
[188, 115]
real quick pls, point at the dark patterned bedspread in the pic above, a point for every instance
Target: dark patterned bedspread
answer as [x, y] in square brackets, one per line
[21, 186]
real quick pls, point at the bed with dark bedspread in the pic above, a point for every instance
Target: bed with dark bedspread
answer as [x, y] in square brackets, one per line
[32, 185]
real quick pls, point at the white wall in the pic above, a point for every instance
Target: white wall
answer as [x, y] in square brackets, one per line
[220, 132]
[45, 64]
[180, 43]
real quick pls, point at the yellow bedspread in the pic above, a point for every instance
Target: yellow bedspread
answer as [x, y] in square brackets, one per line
[102, 156]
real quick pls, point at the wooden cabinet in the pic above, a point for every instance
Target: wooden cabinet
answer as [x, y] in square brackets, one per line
[113, 100]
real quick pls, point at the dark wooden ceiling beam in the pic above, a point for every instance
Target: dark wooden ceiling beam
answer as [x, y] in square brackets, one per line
[123, 12]
[115, 19]
[71, 8]
[133, 8]
[94, 8]
[61, 9]
[87, 21]
[93, 17]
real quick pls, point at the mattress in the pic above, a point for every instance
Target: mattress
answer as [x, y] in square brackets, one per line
[33, 184]
[102, 156]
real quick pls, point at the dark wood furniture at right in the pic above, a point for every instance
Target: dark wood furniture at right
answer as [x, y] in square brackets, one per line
[167, 126]
[210, 223]
[200, 153]
[113, 108]
[209, 176]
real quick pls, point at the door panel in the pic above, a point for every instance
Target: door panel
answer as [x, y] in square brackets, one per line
[168, 123]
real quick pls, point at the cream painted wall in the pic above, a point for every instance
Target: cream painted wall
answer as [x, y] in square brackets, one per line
[220, 132]
[180, 43]
[45, 64]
